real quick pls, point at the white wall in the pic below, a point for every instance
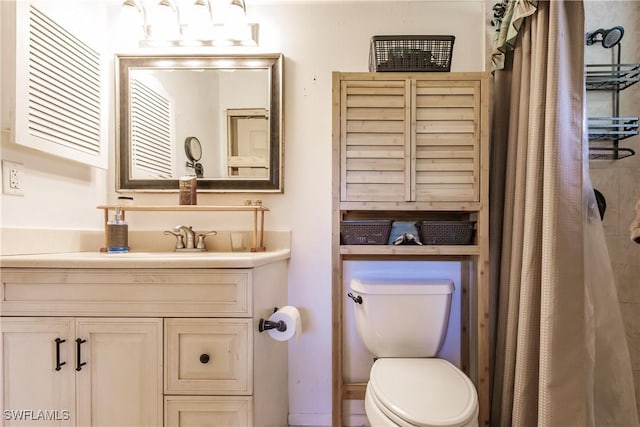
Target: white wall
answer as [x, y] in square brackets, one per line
[316, 38]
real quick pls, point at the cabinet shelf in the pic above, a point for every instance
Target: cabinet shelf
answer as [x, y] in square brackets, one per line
[257, 209]
[605, 133]
[186, 208]
[409, 250]
[612, 128]
[611, 76]
[462, 206]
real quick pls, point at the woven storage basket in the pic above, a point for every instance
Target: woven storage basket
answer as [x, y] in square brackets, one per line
[365, 232]
[446, 232]
[411, 53]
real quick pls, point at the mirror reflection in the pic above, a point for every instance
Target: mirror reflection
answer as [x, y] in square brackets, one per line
[215, 117]
[193, 150]
[248, 149]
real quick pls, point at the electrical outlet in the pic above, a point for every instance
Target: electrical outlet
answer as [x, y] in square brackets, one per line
[12, 175]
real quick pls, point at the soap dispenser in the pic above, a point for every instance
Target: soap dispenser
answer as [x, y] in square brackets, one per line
[117, 234]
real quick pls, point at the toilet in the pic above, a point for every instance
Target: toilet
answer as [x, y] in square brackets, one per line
[403, 324]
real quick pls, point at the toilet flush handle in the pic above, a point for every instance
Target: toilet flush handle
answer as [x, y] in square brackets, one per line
[356, 299]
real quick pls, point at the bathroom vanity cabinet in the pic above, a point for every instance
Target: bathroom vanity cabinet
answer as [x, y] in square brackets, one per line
[143, 346]
[413, 147]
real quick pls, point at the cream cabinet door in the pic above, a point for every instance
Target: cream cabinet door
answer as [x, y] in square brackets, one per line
[37, 371]
[119, 381]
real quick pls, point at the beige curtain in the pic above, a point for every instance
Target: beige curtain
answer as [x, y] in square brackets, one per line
[560, 356]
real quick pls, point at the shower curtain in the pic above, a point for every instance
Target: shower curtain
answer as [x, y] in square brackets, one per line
[560, 354]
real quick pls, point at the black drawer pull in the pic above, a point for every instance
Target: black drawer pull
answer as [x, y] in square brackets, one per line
[79, 365]
[58, 363]
[204, 358]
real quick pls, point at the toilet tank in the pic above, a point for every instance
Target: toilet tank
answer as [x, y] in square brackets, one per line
[402, 318]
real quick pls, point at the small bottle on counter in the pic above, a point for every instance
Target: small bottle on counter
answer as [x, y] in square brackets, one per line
[188, 190]
[117, 234]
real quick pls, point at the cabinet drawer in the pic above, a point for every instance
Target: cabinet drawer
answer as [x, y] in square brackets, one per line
[132, 293]
[208, 356]
[212, 411]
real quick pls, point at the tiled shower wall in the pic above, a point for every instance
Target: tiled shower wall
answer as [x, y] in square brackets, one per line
[619, 181]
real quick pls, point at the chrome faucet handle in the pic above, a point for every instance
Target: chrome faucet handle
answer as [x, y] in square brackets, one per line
[179, 238]
[189, 234]
[200, 242]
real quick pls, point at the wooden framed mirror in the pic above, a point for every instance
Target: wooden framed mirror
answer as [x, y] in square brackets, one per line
[164, 100]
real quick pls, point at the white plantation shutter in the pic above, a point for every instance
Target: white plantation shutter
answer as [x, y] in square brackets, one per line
[64, 86]
[59, 88]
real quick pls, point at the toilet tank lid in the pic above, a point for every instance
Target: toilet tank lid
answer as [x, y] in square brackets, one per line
[402, 286]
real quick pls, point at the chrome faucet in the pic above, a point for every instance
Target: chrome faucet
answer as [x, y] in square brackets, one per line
[188, 233]
[194, 242]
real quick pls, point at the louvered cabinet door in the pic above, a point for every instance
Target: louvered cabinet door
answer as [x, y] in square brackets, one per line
[55, 90]
[374, 140]
[445, 141]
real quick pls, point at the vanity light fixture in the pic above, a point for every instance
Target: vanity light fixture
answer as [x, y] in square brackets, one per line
[197, 22]
[235, 25]
[189, 22]
[132, 21]
[163, 20]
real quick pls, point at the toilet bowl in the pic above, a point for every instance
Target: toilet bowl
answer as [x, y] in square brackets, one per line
[403, 323]
[420, 393]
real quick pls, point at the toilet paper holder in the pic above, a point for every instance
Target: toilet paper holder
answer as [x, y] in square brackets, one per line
[265, 325]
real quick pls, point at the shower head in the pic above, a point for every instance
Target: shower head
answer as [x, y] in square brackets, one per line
[609, 38]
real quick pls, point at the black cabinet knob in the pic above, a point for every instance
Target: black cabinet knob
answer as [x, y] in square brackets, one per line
[204, 358]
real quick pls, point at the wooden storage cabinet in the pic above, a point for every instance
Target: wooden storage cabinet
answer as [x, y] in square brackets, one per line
[409, 139]
[197, 328]
[411, 147]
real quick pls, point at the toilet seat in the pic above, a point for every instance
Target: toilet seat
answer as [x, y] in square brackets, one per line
[422, 392]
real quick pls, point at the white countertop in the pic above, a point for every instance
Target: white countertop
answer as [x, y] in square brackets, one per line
[145, 259]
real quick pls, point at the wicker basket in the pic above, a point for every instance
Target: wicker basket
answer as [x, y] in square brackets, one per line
[411, 53]
[365, 232]
[446, 232]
